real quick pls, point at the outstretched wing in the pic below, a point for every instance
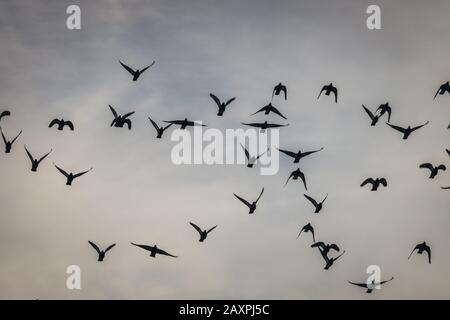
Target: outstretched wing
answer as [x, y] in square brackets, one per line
[61, 170]
[369, 112]
[113, 111]
[428, 166]
[428, 251]
[28, 153]
[275, 110]
[415, 248]
[402, 130]
[334, 247]
[69, 124]
[335, 91]
[257, 125]
[437, 92]
[385, 281]
[142, 71]
[368, 180]
[383, 182]
[323, 89]
[160, 251]
[53, 122]
[16, 137]
[247, 155]
[81, 173]
[243, 200]
[143, 246]
[216, 100]
[289, 153]
[196, 227]
[260, 110]
[418, 127]
[154, 124]
[304, 154]
[319, 244]
[131, 71]
[274, 125]
[211, 229]
[442, 167]
[5, 113]
[230, 101]
[45, 156]
[126, 115]
[362, 285]
[94, 246]
[110, 247]
[262, 191]
[314, 202]
[179, 122]
[302, 176]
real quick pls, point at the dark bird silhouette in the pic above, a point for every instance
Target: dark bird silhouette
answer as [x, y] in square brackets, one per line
[445, 188]
[307, 228]
[5, 113]
[329, 261]
[375, 183]
[268, 109]
[136, 73]
[299, 155]
[153, 250]
[250, 159]
[278, 89]
[448, 152]
[383, 108]
[329, 89]
[317, 206]
[372, 117]
[421, 248]
[9, 144]
[101, 253]
[443, 89]
[434, 170]
[35, 162]
[61, 124]
[203, 233]
[120, 120]
[251, 206]
[70, 176]
[406, 131]
[185, 123]
[221, 105]
[373, 284]
[159, 130]
[325, 248]
[265, 125]
[295, 175]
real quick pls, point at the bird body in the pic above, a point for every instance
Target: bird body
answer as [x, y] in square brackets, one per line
[265, 125]
[61, 124]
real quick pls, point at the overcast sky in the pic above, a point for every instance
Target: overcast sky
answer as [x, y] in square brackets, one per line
[134, 193]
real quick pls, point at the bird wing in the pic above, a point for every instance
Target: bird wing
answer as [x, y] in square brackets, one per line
[304, 154]
[154, 124]
[81, 173]
[142, 71]
[385, 281]
[69, 124]
[325, 198]
[196, 227]
[230, 101]
[259, 156]
[5, 113]
[383, 182]
[61, 170]
[362, 285]
[415, 248]
[110, 247]
[257, 125]
[437, 92]
[369, 112]
[445, 188]
[274, 125]
[323, 89]
[289, 153]
[428, 166]
[335, 91]
[314, 202]
[94, 246]
[418, 127]
[179, 122]
[113, 111]
[131, 71]
[247, 154]
[216, 100]
[262, 191]
[402, 130]
[319, 244]
[290, 176]
[260, 110]
[167, 127]
[45, 156]
[143, 246]
[389, 111]
[368, 180]
[160, 251]
[16, 137]
[126, 115]
[128, 122]
[243, 200]
[334, 246]
[428, 251]
[211, 229]
[3, 136]
[442, 167]
[448, 152]
[302, 176]
[275, 110]
[28, 153]
[53, 122]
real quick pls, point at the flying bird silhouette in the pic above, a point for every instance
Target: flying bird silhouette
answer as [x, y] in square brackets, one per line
[70, 176]
[120, 120]
[35, 162]
[317, 206]
[185, 123]
[307, 228]
[5, 113]
[101, 253]
[434, 170]
[421, 248]
[372, 116]
[203, 233]
[61, 124]
[375, 183]
[328, 261]
[159, 130]
[299, 155]
[221, 105]
[373, 284]
[250, 159]
[383, 108]
[329, 89]
[265, 125]
[406, 131]
[295, 175]
[9, 144]
[268, 109]
[278, 89]
[325, 248]
[154, 250]
[136, 73]
[448, 152]
[443, 89]
[251, 206]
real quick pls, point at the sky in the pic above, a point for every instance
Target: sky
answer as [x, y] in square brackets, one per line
[136, 194]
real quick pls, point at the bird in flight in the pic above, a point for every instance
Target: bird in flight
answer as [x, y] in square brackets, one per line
[221, 105]
[4, 113]
[154, 250]
[299, 155]
[203, 233]
[325, 248]
[375, 183]
[278, 89]
[329, 261]
[250, 159]
[61, 124]
[136, 73]
[265, 125]
[383, 108]
[251, 206]
[101, 253]
[295, 175]
[159, 130]
[443, 89]
[268, 109]
[9, 144]
[70, 176]
[372, 286]
[434, 170]
[317, 206]
[185, 123]
[119, 121]
[372, 116]
[307, 228]
[406, 131]
[421, 248]
[329, 89]
[35, 162]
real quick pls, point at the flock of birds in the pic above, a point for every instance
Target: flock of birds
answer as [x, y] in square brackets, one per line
[327, 251]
